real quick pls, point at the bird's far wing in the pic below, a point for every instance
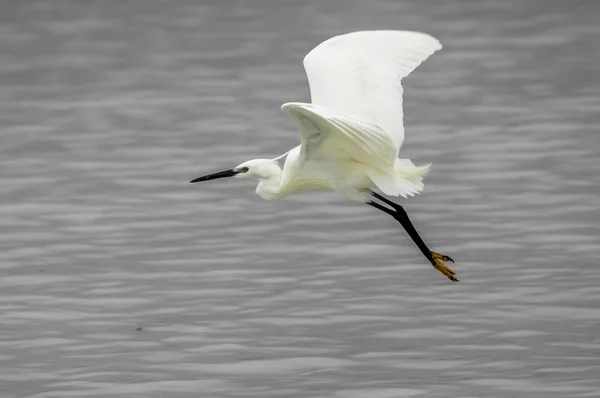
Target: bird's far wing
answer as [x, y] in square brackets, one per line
[328, 136]
[281, 156]
[360, 74]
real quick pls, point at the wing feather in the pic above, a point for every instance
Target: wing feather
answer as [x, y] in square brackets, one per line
[360, 73]
[328, 135]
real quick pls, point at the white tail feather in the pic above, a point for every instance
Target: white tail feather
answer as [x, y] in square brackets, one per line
[407, 179]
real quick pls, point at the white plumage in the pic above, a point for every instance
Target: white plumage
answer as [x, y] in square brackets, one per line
[356, 111]
[360, 74]
[353, 129]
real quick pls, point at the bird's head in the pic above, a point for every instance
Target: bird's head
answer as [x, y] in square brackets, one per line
[255, 168]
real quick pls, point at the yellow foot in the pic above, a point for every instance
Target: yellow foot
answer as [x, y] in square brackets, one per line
[436, 261]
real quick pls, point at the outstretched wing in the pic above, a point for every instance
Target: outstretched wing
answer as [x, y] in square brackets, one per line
[360, 73]
[328, 135]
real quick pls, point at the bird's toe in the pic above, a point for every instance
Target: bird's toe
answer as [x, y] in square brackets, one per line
[436, 261]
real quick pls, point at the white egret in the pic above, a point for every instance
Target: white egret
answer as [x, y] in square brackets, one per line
[353, 129]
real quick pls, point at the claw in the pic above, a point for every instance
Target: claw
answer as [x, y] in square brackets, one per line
[445, 258]
[436, 261]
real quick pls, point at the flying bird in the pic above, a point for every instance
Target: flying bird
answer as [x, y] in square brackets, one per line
[352, 130]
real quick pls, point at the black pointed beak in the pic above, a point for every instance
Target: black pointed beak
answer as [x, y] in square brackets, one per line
[220, 174]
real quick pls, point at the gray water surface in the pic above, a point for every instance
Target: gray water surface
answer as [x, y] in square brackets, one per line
[120, 279]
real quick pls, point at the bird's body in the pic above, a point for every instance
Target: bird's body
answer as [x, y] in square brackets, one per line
[352, 130]
[349, 177]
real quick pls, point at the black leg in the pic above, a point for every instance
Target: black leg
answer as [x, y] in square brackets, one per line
[401, 216]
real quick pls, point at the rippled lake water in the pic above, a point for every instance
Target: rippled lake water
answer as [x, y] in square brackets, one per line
[118, 278]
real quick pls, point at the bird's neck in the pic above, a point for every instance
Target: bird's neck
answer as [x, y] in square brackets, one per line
[269, 187]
